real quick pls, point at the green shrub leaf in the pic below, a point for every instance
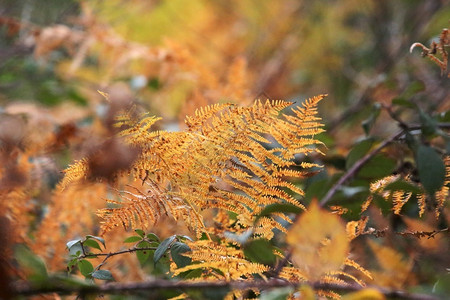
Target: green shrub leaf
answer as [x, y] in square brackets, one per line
[85, 267]
[431, 169]
[176, 251]
[102, 275]
[162, 248]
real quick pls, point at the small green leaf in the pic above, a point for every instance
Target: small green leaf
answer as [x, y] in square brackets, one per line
[429, 125]
[358, 151]
[368, 123]
[153, 237]
[29, 261]
[85, 267]
[76, 249]
[143, 255]
[101, 240]
[377, 167]
[196, 273]
[260, 251]
[133, 239]
[431, 169]
[102, 275]
[176, 251]
[92, 244]
[277, 294]
[71, 243]
[140, 232]
[413, 88]
[402, 102]
[162, 248]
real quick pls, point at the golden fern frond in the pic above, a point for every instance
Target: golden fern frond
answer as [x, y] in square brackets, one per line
[75, 172]
[224, 257]
[137, 209]
[231, 158]
[351, 263]
[202, 114]
[442, 195]
[293, 274]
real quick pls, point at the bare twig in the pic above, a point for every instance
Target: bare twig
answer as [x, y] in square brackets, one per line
[155, 286]
[130, 250]
[420, 234]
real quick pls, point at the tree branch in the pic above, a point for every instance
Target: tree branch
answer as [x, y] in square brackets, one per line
[108, 255]
[156, 286]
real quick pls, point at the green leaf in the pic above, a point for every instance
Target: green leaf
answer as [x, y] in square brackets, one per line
[29, 261]
[176, 251]
[431, 169]
[140, 232]
[368, 123]
[277, 208]
[143, 255]
[162, 248]
[133, 239]
[71, 243]
[102, 275]
[276, 294]
[358, 151]
[403, 102]
[377, 167]
[429, 125]
[414, 88]
[101, 240]
[196, 273]
[153, 237]
[260, 251]
[85, 267]
[92, 244]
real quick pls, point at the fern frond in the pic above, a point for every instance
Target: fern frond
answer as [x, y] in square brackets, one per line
[230, 158]
[75, 172]
[223, 257]
[351, 263]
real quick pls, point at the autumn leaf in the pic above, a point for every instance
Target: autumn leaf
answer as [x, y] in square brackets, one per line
[319, 242]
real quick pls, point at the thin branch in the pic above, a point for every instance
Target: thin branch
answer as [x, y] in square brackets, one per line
[108, 255]
[155, 286]
[360, 163]
[357, 166]
[420, 234]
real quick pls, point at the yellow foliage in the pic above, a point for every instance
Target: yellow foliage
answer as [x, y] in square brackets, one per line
[319, 242]
[219, 162]
[365, 294]
[394, 270]
[225, 257]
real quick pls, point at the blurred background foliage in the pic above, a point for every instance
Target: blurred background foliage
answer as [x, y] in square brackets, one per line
[171, 57]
